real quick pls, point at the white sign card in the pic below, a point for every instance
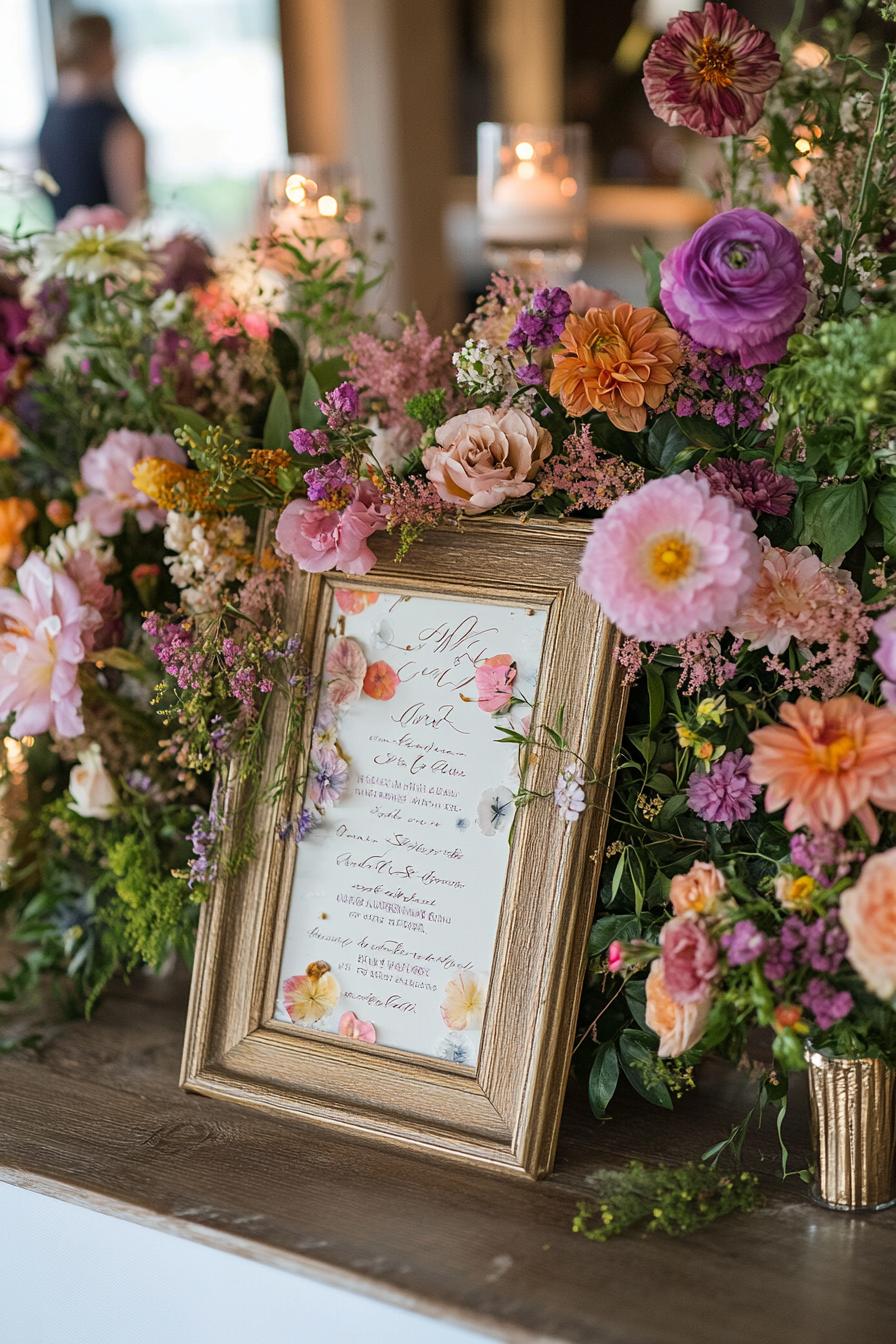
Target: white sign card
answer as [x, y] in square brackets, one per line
[403, 837]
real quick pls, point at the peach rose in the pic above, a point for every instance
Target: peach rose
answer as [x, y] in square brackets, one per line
[483, 457]
[698, 890]
[868, 913]
[678, 1025]
[15, 515]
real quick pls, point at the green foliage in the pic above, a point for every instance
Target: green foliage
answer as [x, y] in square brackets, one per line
[674, 1200]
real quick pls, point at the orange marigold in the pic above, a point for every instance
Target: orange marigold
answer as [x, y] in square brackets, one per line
[173, 486]
[618, 360]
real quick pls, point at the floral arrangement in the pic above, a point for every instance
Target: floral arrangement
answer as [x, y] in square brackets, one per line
[113, 349]
[733, 441]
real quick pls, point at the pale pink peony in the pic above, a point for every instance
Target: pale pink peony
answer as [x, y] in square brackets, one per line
[678, 1025]
[671, 560]
[494, 682]
[320, 539]
[698, 891]
[583, 297]
[484, 457]
[868, 913]
[690, 959]
[108, 471]
[41, 649]
[792, 586]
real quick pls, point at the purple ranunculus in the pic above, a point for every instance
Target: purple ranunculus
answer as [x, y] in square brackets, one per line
[726, 794]
[690, 959]
[744, 943]
[737, 285]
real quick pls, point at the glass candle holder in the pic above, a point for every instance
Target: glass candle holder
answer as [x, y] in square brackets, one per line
[532, 193]
[310, 197]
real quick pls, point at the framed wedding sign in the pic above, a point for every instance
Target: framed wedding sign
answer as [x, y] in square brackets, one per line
[404, 955]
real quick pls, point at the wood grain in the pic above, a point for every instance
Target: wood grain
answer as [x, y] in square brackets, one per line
[506, 1113]
[98, 1118]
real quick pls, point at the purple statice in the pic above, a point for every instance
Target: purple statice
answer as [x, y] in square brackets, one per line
[716, 387]
[751, 485]
[744, 943]
[173, 645]
[785, 952]
[824, 856]
[341, 406]
[310, 442]
[332, 485]
[541, 322]
[726, 794]
[296, 828]
[530, 375]
[826, 943]
[204, 837]
[826, 1004]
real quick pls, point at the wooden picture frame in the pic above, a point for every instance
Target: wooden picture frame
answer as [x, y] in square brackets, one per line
[503, 1112]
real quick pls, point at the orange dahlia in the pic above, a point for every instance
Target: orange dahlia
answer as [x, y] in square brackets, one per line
[829, 760]
[618, 360]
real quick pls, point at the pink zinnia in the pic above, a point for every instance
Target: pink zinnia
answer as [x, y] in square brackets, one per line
[41, 650]
[319, 538]
[671, 560]
[108, 471]
[710, 71]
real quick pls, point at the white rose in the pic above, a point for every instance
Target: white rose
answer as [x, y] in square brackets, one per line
[91, 786]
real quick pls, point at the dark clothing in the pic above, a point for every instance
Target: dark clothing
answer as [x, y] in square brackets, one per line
[71, 142]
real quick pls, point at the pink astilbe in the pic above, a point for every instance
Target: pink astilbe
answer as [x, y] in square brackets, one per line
[703, 662]
[413, 503]
[592, 477]
[388, 371]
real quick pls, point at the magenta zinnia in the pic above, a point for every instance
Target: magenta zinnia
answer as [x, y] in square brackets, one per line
[710, 71]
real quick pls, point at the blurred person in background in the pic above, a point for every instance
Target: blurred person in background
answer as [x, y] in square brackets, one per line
[88, 142]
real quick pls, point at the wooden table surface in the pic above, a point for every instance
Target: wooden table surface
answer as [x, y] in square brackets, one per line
[97, 1117]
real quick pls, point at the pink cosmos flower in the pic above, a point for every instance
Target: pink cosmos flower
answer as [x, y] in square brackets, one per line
[319, 538]
[710, 71]
[494, 682]
[690, 959]
[108, 470]
[41, 649]
[792, 586]
[350, 1025]
[671, 560]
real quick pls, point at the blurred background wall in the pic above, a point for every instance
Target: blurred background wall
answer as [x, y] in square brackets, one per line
[224, 89]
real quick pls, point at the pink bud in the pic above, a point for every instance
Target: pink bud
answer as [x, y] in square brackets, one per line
[615, 957]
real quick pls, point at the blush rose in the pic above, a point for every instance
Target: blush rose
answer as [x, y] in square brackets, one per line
[484, 457]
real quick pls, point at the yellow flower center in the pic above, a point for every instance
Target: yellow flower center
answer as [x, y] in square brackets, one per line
[802, 889]
[714, 63]
[833, 756]
[671, 559]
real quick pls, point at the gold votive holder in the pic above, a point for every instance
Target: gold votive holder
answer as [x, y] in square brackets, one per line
[853, 1106]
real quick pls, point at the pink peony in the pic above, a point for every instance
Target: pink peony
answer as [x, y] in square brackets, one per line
[792, 586]
[484, 457]
[494, 682]
[319, 538]
[710, 71]
[690, 959]
[868, 913]
[108, 470]
[41, 650]
[671, 560]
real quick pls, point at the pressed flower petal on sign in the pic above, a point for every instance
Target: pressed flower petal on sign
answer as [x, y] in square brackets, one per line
[310, 997]
[463, 1006]
[381, 681]
[345, 666]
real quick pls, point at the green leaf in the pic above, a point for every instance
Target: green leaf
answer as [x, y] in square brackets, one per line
[656, 693]
[636, 998]
[834, 518]
[638, 1059]
[310, 416]
[278, 421]
[183, 416]
[668, 448]
[670, 809]
[610, 928]
[603, 1077]
[329, 372]
[650, 260]
[884, 510]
